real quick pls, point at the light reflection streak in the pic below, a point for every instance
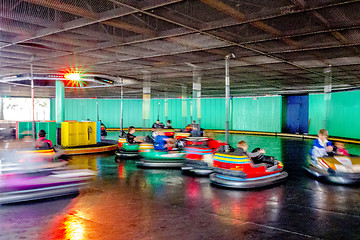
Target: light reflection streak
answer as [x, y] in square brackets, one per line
[74, 229]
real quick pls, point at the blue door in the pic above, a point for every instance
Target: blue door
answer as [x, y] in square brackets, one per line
[298, 114]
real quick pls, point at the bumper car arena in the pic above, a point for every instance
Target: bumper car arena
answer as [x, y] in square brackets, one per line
[179, 119]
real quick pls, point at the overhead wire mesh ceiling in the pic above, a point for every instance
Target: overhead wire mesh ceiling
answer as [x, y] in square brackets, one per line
[281, 47]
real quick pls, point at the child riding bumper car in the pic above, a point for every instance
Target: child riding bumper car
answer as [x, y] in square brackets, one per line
[128, 145]
[126, 150]
[161, 154]
[336, 169]
[238, 170]
[332, 163]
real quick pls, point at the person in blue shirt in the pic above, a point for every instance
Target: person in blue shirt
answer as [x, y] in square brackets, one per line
[162, 142]
[321, 146]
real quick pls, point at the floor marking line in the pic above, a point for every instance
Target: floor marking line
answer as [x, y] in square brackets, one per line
[284, 230]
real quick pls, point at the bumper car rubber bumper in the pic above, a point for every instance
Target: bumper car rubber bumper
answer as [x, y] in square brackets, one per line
[333, 176]
[178, 163]
[247, 183]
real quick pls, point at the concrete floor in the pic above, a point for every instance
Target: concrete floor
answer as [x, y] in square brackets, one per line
[129, 203]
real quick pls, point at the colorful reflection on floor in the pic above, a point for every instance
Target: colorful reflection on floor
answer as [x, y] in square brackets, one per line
[125, 202]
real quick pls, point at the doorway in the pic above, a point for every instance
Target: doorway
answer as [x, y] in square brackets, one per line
[298, 114]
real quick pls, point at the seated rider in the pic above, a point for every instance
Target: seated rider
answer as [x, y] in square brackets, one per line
[103, 127]
[168, 124]
[195, 131]
[158, 124]
[154, 133]
[151, 137]
[321, 147]
[42, 142]
[340, 149]
[189, 127]
[132, 139]
[257, 155]
[163, 143]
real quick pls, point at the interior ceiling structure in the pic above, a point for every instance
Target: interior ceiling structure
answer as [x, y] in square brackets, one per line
[281, 47]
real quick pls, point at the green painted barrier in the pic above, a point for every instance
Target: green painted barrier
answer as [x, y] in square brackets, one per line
[25, 129]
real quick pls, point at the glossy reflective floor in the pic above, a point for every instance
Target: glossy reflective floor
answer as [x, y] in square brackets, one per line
[125, 202]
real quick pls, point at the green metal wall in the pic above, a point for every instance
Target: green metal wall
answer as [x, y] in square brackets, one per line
[344, 114]
[23, 129]
[174, 112]
[262, 114]
[213, 113]
[316, 113]
[109, 111]
[257, 114]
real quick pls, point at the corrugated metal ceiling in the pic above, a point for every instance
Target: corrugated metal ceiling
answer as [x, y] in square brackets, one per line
[278, 44]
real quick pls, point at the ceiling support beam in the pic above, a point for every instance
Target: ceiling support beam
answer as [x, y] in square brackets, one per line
[82, 12]
[241, 17]
[64, 7]
[130, 27]
[4, 13]
[104, 16]
[339, 36]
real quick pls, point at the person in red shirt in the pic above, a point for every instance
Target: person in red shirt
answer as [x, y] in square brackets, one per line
[42, 142]
[341, 149]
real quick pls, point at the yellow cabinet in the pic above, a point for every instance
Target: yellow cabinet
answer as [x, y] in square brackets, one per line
[78, 134]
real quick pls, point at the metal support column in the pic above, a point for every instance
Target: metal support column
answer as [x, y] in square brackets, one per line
[231, 113]
[227, 96]
[97, 110]
[166, 112]
[327, 94]
[59, 107]
[158, 110]
[196, 106]
[60, 103]
[121, 106]
[1, 108]
[146, 100]
[184, 104]
[191, 110]
[33, 99]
